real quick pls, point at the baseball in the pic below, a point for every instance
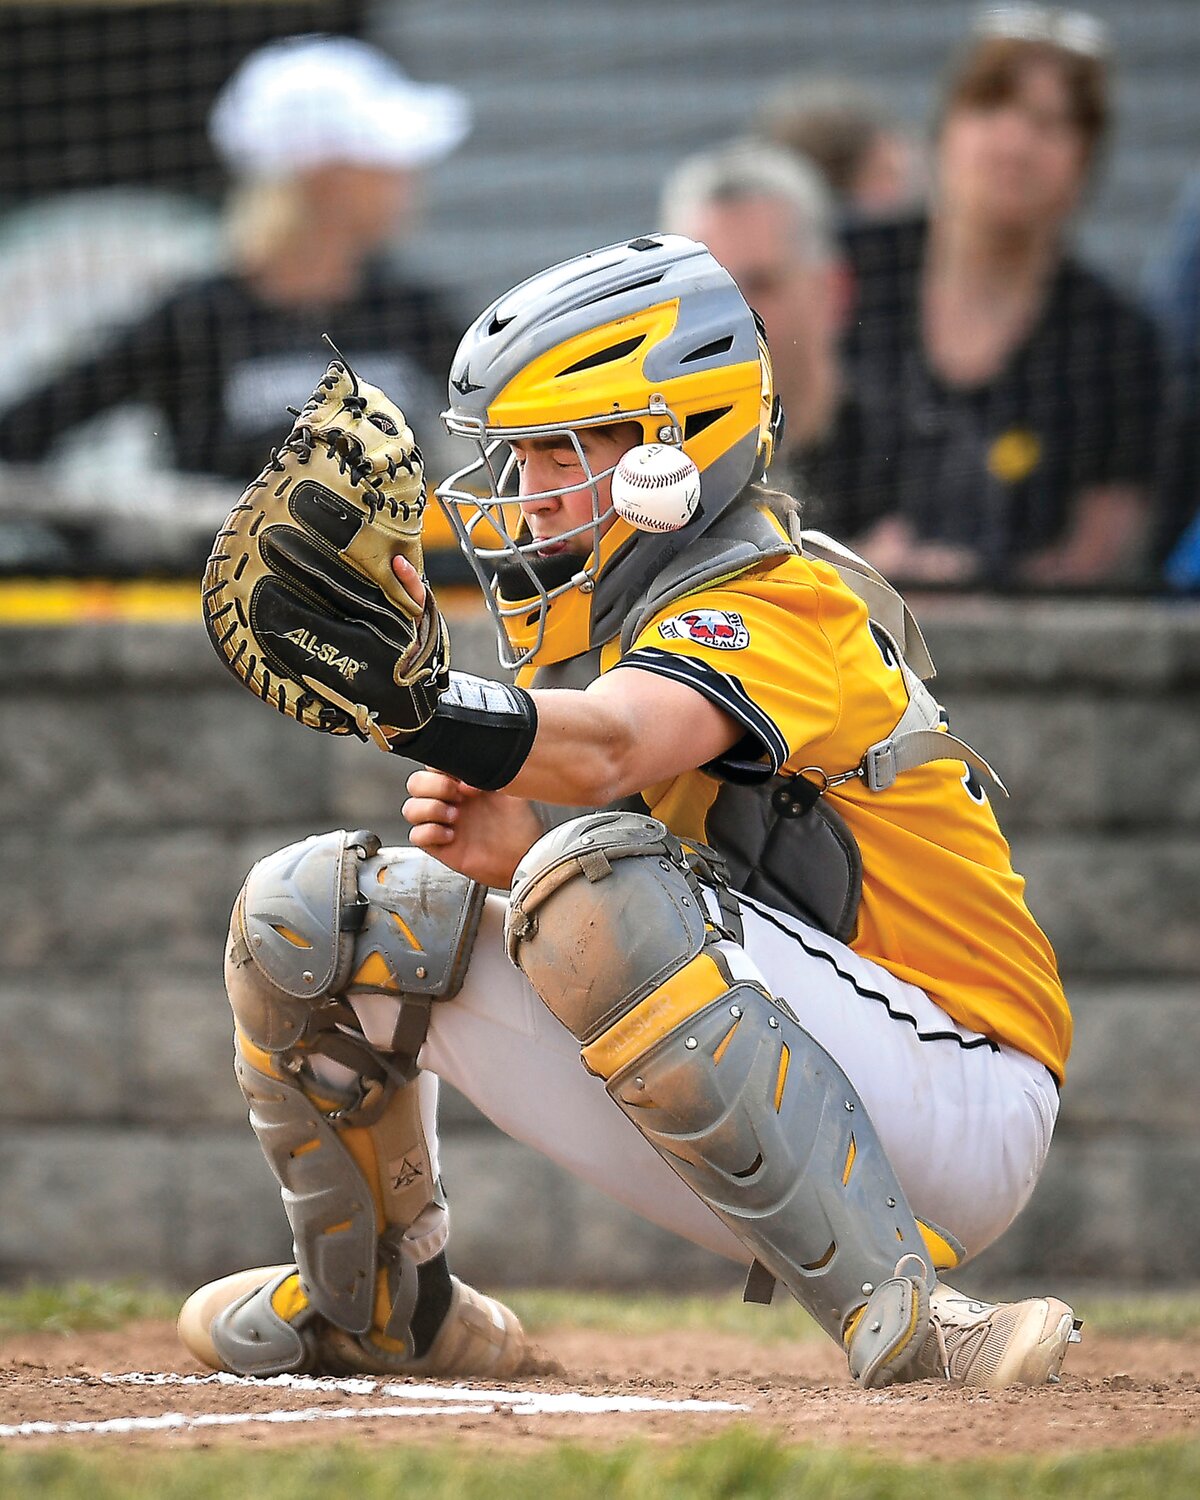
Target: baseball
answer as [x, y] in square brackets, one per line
[656, 487]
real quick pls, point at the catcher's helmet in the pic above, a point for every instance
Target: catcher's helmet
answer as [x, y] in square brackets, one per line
[653, 331]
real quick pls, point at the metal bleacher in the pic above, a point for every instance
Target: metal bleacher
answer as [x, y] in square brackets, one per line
[582, 108]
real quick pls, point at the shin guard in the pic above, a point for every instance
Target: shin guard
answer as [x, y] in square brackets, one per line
[321, 931]
[608, 920]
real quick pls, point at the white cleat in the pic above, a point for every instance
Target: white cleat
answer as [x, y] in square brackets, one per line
[259, 1323]
[991, 1345]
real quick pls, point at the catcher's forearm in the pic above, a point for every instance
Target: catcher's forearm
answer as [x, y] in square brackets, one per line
[561, 745]
[481, 732]
[569, 747]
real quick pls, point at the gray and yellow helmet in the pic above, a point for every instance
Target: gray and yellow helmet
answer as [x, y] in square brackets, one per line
[653, 331]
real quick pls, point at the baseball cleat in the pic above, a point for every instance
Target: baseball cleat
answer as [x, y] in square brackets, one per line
[259, 1322]
[994, 1344]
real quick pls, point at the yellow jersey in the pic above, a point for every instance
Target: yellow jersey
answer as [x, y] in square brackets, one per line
[788, 651]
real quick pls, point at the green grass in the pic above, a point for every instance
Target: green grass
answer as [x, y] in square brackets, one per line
[1163, 1314]
[739, 1465]
[647, 1313]
[1171, 1315]
[80, 1306]
[742, 1463]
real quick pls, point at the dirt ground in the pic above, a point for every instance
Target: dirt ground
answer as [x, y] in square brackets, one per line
[1114, 1392]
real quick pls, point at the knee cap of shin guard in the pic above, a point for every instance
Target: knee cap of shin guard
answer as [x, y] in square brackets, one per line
[337, 913]
[601, 912]
[297, 912]
[291, 936]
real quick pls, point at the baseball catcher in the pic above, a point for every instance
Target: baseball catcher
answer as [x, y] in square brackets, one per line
[716, 839]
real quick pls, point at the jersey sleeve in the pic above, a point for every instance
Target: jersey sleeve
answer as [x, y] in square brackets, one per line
[762, 659]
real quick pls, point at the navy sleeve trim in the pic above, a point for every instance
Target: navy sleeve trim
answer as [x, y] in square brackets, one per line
[727, 693]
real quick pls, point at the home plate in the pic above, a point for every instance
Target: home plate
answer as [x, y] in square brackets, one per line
[407, 1400]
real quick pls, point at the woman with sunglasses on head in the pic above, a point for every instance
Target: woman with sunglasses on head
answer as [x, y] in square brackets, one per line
[1011, 397]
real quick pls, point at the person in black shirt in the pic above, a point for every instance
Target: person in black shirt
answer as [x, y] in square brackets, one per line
[1009, 398]
[324, 136]
[1173, 293]
[222, 362]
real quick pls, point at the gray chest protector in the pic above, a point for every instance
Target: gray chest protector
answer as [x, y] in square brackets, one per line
[781, 841]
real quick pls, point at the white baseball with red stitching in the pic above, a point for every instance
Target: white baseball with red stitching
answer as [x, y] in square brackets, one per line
[656, 487]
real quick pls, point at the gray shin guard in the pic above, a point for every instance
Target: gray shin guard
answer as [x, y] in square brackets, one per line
[607, 921]
[765, 1127]
[338, 1242]
[320, 928]
[325, 1196]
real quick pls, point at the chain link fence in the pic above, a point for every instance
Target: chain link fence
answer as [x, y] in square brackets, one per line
[988, 354]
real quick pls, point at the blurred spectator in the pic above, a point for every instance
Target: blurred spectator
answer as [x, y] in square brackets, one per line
[868, 159]
[1181, 568]
[766, 215]
[1010, 397]
[1174, 291]
[324, 137]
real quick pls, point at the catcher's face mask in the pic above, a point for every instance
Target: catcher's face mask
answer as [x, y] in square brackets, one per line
[652, 333]
[532, 541]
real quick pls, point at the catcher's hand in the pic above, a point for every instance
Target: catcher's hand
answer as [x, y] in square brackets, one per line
[300, 600]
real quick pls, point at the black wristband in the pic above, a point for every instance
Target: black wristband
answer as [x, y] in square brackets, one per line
[481, 732]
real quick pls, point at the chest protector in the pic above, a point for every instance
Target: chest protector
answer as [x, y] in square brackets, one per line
[780, 840]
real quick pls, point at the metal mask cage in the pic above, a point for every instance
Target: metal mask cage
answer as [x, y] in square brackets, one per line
[479, 498]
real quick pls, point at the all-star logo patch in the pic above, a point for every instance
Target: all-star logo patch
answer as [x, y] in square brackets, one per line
[325, 651]
[707, 627]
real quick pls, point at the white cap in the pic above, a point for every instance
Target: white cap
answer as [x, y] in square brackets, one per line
[305, 101]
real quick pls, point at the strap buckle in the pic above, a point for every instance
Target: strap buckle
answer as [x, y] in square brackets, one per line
[879, 769]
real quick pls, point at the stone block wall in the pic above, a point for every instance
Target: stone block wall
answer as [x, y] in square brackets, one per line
[138, 783]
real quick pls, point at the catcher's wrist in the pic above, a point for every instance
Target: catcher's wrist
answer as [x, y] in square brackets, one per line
[481, 732]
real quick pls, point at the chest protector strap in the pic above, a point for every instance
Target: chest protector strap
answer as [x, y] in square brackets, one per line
[746, 538]
[918, 737]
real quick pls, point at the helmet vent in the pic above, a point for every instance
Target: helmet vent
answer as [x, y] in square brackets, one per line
[645, 243]
[498, 324]
[605, 356]
[707, 351]
[627, 286]
[699, 420]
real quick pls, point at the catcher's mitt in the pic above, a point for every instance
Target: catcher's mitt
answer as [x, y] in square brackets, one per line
[300, 600]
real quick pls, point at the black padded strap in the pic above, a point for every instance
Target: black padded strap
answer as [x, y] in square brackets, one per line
[481, 732]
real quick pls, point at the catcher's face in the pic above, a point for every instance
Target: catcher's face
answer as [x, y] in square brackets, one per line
[534, 518]
[565, 502]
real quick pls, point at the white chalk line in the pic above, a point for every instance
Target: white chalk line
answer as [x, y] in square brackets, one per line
[178, 1420]
[419, 1401]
